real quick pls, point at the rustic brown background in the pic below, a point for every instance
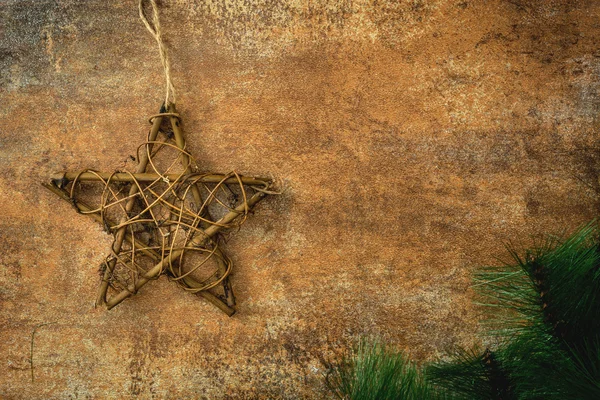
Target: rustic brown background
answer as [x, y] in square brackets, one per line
[412, 138]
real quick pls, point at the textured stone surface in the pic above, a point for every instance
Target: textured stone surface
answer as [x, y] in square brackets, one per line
[412, 138]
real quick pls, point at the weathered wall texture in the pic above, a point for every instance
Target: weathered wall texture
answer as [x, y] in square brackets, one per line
[413, 138]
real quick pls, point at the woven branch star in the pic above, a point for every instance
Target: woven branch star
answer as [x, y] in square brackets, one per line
[165, 217]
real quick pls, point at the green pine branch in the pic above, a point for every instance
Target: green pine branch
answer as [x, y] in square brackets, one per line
[545, 313]
[376, 372]
[473, 375]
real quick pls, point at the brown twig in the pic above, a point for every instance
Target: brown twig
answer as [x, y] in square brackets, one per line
[120, 234]
[185, 159]
[63, 178]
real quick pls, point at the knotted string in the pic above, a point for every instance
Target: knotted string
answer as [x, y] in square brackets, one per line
[154, 29]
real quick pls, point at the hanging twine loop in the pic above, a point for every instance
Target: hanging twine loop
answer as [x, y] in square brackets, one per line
[154, 29]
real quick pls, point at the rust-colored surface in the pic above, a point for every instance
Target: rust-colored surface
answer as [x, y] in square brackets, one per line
[413, 138]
